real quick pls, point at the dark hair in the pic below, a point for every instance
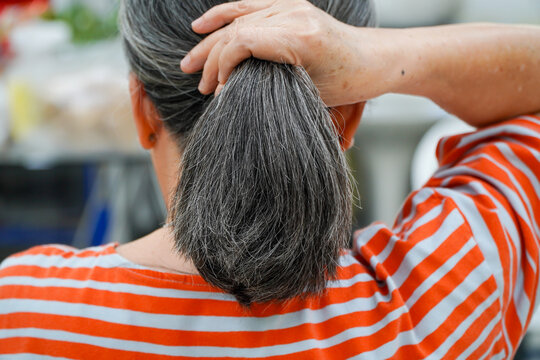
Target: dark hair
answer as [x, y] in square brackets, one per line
[263, 203]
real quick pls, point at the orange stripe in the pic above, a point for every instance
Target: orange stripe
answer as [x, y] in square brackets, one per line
[242, 339]
[497, 347]
[112, 275]
[70, 350]
[476, 328]
[430, 343]
[446, 285]
[49, 250]
[182, 306]
[432, 263]
[150, 278]
[401, 248]
[421, 209]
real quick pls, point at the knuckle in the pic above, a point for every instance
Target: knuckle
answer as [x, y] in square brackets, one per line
[230, 34]
[242, 6]
[235, 25]
[237, 21]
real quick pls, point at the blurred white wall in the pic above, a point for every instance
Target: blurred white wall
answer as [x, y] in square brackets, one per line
[504, 11]
[405, 13]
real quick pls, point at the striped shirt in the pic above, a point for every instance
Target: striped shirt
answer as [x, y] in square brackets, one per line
[455, 277]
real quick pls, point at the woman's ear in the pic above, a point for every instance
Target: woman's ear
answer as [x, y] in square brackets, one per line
[346, 120]
[146, 117]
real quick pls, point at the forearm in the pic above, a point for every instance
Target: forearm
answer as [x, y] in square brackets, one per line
[479, 72]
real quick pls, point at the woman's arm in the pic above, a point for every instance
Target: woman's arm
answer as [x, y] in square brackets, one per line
[481, 73]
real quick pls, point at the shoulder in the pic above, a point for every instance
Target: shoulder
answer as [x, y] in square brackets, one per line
[43, 258]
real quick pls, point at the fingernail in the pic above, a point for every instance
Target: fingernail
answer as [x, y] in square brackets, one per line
[185, 61]
[218, 89]
[202, 87]
[197, 22]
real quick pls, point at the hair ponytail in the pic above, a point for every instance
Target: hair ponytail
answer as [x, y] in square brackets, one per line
[263, 205]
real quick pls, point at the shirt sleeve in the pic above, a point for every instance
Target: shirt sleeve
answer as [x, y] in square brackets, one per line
[463, 252]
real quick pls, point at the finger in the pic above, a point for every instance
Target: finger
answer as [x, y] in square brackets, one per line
[209, 80]
[195, 59]
[261, 43]
[224, 14]
[218, 89]
[231, 55]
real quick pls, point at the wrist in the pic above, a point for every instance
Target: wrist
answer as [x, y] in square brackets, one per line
[387, 61]
[414, 61]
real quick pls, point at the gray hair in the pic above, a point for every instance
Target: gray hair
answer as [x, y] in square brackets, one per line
[263, 203]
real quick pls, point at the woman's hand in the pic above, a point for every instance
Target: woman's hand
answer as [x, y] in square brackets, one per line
[481, 73]
[343, 62]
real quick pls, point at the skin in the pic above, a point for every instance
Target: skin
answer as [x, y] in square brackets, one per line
[482, 73]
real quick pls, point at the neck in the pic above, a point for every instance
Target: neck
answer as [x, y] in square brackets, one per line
[157, 251]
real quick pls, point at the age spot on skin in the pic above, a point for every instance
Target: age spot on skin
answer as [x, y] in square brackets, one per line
[402, 72]
[345, 84]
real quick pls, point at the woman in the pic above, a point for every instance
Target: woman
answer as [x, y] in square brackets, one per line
[260, 210]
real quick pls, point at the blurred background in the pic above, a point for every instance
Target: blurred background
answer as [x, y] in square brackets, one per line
[72, 172]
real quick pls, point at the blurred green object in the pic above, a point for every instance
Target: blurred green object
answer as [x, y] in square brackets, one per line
[86, 25]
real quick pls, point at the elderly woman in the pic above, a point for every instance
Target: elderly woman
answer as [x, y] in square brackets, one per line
[253, 260]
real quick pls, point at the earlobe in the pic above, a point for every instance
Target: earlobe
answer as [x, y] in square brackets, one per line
[146, 118]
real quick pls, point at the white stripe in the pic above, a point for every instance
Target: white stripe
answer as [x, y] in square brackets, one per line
[26, 356]
[534, 152]
[499, 356]
[531, 261]
[436, 316]
[420, 197]
[123, 288]
[516, 162]
[113, 287]
[498, 130]
[347, 283]
[347, 260]
[440, 148]
[49, 261]
[464, 326]
[521, 299]
[368, 233]
[424, 219]
[488, 352]
[437, 275]
[482, 337]
[202, 351]
[193, 323]
[426, 247]
[476, 188]
[383, 255]
[535, 121]
[104, 261]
